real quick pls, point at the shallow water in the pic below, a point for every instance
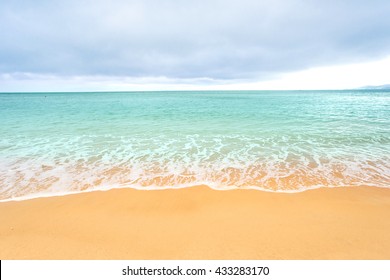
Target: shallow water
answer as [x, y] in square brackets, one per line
[273, 140]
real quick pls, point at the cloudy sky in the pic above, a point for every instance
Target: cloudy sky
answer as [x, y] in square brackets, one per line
[176, 44]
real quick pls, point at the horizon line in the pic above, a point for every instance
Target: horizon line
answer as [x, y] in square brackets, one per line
[195, 90]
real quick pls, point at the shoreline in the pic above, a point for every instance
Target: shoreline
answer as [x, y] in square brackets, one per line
[199, 223]
[254, 188]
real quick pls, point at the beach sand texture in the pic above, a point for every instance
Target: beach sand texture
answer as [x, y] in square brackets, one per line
[199, 223]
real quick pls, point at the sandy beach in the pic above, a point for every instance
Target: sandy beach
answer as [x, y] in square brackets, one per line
[199, 223]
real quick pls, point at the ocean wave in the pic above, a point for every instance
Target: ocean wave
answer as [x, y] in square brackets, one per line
[281, 164]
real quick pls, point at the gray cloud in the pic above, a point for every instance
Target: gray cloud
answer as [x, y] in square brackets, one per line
[223, 40]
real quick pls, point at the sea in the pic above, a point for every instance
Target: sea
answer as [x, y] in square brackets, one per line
[56, 143]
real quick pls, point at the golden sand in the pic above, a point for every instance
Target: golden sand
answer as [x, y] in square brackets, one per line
[199, 223]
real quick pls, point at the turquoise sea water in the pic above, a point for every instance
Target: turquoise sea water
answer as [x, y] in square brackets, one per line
[54, 143]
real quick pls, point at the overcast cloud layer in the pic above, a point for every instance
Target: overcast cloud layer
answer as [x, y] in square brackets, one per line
[188, 40]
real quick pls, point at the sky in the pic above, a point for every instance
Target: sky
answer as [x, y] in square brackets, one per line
[184, 45]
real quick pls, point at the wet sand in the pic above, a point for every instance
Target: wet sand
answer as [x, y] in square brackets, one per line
[199, 223]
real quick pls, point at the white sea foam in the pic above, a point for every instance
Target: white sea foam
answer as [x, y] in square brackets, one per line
[85, 163]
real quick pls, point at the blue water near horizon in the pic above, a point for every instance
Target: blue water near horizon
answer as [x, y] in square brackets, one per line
[271, 140]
